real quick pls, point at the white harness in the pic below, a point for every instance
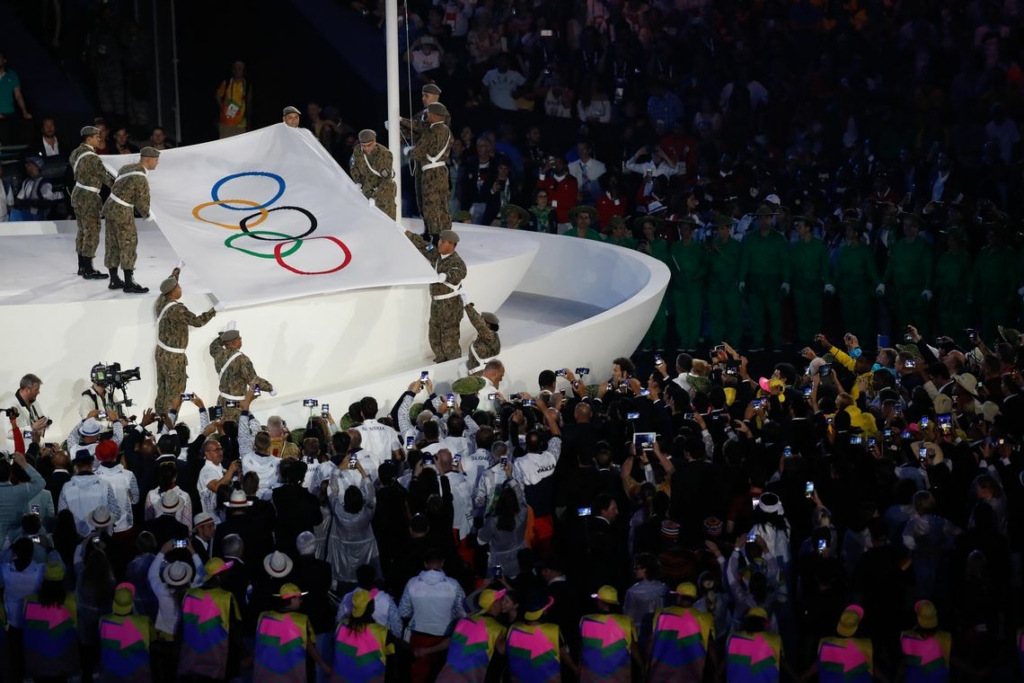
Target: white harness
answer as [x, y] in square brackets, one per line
[435, 161]
[74, 169]
[125, 175]
[455, 288]
[220, 376]
[374, 171]
[160, 317]
[480, 362]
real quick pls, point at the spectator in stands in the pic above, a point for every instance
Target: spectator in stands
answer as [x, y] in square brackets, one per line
[34, 197]
[158, 139]
[49, 145]
[234, 98]
[121, 142]
[10, 92]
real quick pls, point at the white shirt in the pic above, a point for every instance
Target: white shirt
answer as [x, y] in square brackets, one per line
[126, 488]
[500, 87]
[462, 502]
[486, 487]
[266, 467]
[586, 174]
[486, 404]
[51, 150]
[378, 442]
[649, 169]
[168, 608]
[208, 498]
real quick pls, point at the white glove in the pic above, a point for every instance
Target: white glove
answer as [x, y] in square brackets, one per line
[743, 287]
[829, 289]
[785, 288]
[443, 276]
[407, 149]
[926, 295]
[880, 290]
[273, 392]
[465, 298]
[219, 306]
[181, 265]
[386, 124]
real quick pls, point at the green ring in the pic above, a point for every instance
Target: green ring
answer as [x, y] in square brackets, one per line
[228, 241]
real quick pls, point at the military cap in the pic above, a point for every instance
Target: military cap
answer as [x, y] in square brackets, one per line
[490, 318]
[450, 236]
[168, 285]
[583, 208]
[437, 109]
[723, 221]
[366, 135]
[431, 89]
[467, 386]
[290, 110]
[150, 153]
[229, 336]
[88, 131]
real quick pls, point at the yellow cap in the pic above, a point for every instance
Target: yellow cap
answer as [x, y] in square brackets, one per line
[849, 621]
[757, 612]
[289, 591]
[487, 599]
[360, 600]
[54, 572]
[124, 598]
[607, 595]
[927, 615]
[686, 590]
[215, 566]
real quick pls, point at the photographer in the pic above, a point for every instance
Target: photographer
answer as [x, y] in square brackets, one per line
[30, 415]
[97, 397]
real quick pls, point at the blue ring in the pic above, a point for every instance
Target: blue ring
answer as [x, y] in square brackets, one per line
[215, 192]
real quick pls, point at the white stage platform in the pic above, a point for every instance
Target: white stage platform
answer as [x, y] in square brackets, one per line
[562, 302]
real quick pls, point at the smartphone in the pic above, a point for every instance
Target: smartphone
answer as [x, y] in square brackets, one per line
[828, 419]
[787, 452]
[504, 461]
[424, 376]
[924, 421]
[256, 390]
[754, 501]
[888, 433]
[922, 453]
[645, 440]
[807, 392]
[456, 459]
[611, 387]
[689, 416]
[560, 373]
[230, 403]
[450, 400]
[429, 460]
[809, 489]
[583, 512]
[946, 423]
[216, 412]
[180, 543]
[822, 545]
[897, 408]
[310, 403]
[409, 442]
[645, 392]
[187, 396]
[905, 434]
[732, 368]
[658, 360]
[575, 384]
[758, 402]
[972, 335]
[498, 571]
[324, 409]
[35, 509]
[102, 415]
[632, 416]
[546, 33]
[35, 538]
[492, 397]
[582, 371]
[529, 402]
[910, 363]
[354, 461]
[27, 434]
[752, 536]
[856, 440]
[872, 442]
[825, 370]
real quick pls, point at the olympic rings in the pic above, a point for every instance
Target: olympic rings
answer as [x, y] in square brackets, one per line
[215, 192]
[244, 223]
[281, 240]
[220, 202]
[279, 257]
[284, 238]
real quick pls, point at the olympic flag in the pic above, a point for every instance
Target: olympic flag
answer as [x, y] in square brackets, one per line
[269, 215]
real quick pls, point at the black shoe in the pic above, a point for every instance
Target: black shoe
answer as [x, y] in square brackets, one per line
[115, 281]
[131, 286]
[88, 272]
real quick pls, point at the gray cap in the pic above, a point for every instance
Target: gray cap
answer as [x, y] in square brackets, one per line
[230, 336]
[168, 285]
[150, 153]
[438, 109]
[490, 318]
[290, 110]
[431, 89]
[450, 236]
[88, 131]
[366, 135]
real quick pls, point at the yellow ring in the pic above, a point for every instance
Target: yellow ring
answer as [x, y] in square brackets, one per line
[247, 202]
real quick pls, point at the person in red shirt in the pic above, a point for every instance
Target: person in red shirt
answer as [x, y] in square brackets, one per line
[611, 202]
[563, 190]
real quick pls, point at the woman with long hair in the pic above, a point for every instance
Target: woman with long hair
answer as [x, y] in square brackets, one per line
[95, 596]
[504, 529]
[51, 630]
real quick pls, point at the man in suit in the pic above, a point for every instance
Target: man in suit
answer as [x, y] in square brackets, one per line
[60, 475]
[238, 578]
[203, 530]
[314, 577]
[297, 509]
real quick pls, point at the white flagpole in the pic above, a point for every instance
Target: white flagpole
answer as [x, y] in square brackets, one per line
[394, 97]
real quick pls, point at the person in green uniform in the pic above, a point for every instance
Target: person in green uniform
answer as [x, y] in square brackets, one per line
[764, 278]
[656, 247]
[688, 263]
[723, 286]
[952, 285]
[854, 277]
[909, 272]
[618, 233]
[995, 280]
[811, 278]
[582, 218]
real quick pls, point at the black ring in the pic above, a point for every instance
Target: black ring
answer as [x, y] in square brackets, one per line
[243, 224]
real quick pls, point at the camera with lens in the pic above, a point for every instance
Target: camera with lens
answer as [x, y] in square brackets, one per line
[113, 377]
[11, 413]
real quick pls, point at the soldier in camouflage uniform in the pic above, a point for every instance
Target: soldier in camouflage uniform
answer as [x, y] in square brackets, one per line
[237, 376]
[431, 153]
[90, 176]
[371, 169]
[129, 194]
[172, 322]
[413, 128]
[487, 345]
[445, 304]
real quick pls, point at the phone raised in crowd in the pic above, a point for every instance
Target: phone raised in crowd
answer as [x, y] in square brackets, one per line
[582, 371]
[216, 412]
[102, 415]
[529, 402]
[658, 360]
[758, 403]
[180, 543]
[856, 440]
[450, 400]
[560, 373]
[807, 392]
[689, 416]
[910, 363]
[787, 452]
[35, 509]
[924, 421]
[822, 545]
[187, 396]
[645, 440]
[256, 390]
[809, 489]
[492, 397]
[310, 403]
[946, 423]
[583, 512]
[922, 452]
[632, 416]
[424, 376]
[325, 408]
[230, 403]
[409, 442]
[825, 370]
[752, 536]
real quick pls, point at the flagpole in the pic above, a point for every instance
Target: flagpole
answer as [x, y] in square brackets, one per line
[394, 97]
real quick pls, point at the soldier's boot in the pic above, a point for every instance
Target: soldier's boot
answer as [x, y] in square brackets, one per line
[86, 270]
[115, 281]
[131, 286]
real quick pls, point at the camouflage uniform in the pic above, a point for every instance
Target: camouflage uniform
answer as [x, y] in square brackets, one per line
[445, 305]
[122, 238]
[412, 130]
[237, 379]
[430, 154]
[90, 176]
[486, 346]
[373, 172]
[173, 321]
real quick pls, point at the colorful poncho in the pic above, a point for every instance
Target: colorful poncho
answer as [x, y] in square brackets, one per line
[605, 653]
[845, 660]
[534, 654]
[51, 638]
[281, 640]
[679, 647]
[206, 615]
[359, 656]
[753, 657]
[926, 659]
[471, 649]
[124, 648]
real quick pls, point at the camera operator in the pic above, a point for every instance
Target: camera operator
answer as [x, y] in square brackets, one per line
[96, 398]
[30, 415]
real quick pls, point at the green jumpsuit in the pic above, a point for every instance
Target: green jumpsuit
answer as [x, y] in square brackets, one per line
[995, 284]
[909, 273]
[723, 293]
[855, 280]
[689, 266]
[952, 290]
[655, 338]
[590, 234]
[764, 266]
[809, 262]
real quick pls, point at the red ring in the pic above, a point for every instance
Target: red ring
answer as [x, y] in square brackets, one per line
[348, 256]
